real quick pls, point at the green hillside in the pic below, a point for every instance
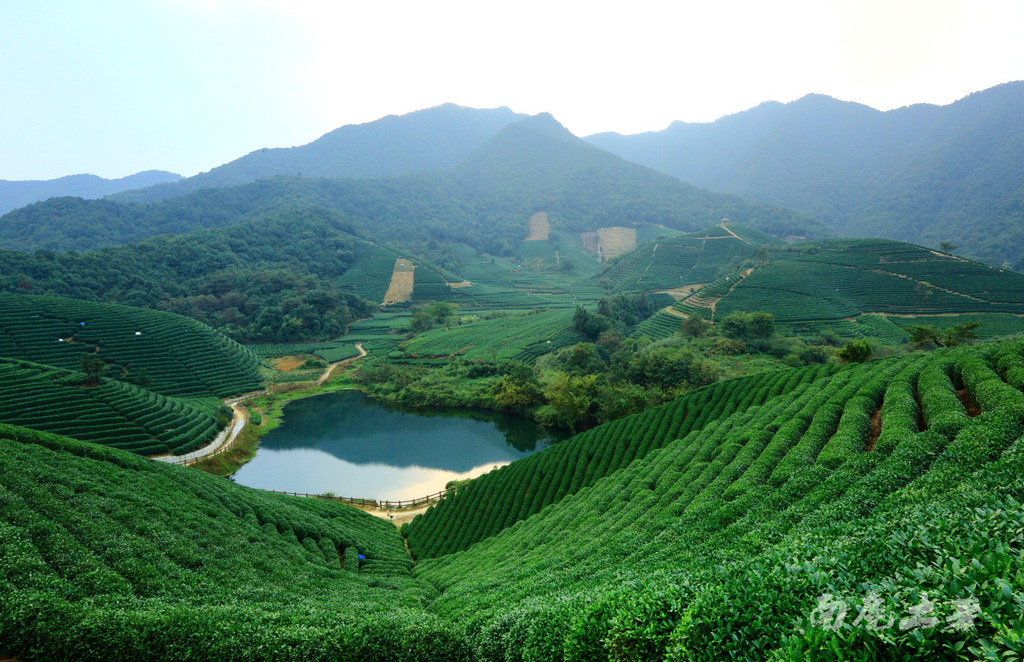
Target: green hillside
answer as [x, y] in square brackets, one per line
[755, 515]
[110, 556]
[478, 510]
[847, 284]
[674, 262]
[924, 174]
[484, 201]
[113, 413]
[278, 278]
[171, 354]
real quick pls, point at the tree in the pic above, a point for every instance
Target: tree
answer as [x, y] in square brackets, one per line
[922, 335]
[93, 367]
[947, 246]
[857, 351]
[694, 326]
[571, 397]
[748, 326]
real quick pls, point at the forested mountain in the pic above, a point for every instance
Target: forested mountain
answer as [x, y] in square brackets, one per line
[432, 139]
[14, 194]
[924, 174]
[485, 201]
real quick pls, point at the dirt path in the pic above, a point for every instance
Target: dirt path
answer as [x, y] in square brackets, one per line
[397, 516]
[876, 430]
[224, 440]
[736, 235]
[330, 368]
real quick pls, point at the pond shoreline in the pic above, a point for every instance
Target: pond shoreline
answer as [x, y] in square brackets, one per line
[349, 443]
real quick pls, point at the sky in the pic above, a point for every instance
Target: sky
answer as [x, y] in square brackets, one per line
[113, 87]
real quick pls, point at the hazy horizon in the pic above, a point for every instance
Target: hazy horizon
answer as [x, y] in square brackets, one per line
[114, 87]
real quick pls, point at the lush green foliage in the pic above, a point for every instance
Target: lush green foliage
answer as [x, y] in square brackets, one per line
[109, 556]
[270, 280]
[739, 521]
[166, 353]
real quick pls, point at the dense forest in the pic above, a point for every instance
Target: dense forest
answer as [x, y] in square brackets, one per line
[266, 280]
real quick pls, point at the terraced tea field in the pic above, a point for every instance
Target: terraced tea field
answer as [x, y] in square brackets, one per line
[179, 356]
[520, 337]
[874, 509]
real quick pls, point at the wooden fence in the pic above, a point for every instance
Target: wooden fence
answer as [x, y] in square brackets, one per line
[386, 504]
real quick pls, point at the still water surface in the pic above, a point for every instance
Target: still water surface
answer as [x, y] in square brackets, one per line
[350, 445]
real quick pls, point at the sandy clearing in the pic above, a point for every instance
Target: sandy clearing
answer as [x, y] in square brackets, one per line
[402, 280]
[540, 227]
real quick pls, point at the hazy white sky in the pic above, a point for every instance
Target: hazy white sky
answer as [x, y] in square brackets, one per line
[112, 87]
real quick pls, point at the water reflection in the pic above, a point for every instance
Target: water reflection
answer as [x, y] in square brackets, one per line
[350, 445]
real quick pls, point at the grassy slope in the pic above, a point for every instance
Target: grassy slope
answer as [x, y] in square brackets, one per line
[180, 356]
[111, 556]
[719, 544]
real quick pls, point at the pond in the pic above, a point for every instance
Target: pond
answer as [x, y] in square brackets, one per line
[350, 445]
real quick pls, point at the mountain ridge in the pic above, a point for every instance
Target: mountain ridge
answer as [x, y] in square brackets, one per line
[19, 193]
[922, 173]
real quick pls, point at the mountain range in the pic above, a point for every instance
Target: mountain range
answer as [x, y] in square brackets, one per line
[15, 194]
[924, 174]
[932, 175]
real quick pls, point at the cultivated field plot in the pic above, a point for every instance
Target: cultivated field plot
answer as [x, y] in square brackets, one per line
[141, 560]
[113, 413]
[674, 262]
[331, 351]
[370, 272]
[865, 288]
[521, 337]
[179, 356]
[401, 284]
[540, 227]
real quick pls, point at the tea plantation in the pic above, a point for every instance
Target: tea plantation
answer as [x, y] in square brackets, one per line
[163, 373]
[827, 283]
[180, 356]
[868, 512]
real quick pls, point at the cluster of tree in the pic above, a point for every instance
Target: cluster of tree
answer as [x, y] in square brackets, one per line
[620, 313]
[267, 280]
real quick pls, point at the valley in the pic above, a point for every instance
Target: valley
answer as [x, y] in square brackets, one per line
[677, 424]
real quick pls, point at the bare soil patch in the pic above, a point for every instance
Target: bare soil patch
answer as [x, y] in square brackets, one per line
[876, 430]
[287, 363]
[455, 286]
[400, 288]
[969, 403]
[540, 227]
[589, 240]
[615, 241]
[679, 293]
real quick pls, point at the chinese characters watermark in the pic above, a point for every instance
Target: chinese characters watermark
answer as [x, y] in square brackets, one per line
[831, 613]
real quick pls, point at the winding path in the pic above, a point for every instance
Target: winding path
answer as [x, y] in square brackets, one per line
[330, 368]
[226, 438]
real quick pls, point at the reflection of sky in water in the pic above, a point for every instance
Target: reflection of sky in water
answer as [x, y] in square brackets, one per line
[315, 472]
[347, 444]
